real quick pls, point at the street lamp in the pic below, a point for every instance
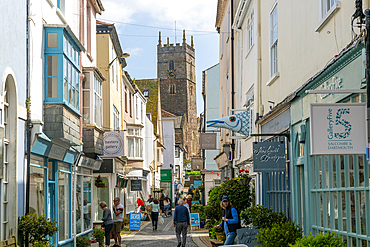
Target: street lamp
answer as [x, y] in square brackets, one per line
[124, 55]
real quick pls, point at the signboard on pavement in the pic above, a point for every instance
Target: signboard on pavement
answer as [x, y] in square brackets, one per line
[194, 219]
[269, 156]
[135, 221]
[338, 128]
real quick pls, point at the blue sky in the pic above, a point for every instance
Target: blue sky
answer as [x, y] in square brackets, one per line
[138, 23]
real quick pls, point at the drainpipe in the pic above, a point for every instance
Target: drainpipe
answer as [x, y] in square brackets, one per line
[28, 123]
[232, 84]
[367, 73]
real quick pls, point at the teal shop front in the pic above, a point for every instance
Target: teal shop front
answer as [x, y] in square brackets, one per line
[330, 192]
[60, 189]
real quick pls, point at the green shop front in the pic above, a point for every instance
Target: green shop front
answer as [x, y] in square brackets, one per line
[166, 182]
[330, 190]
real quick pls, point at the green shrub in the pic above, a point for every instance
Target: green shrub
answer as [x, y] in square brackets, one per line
[262, 217]
[198, 208]
[279, 235]
[213, 209]
[99, 235]
[125, 221]
[240, 195]
[82, 241]
[320, 240]
[37, 227]
[212, 232]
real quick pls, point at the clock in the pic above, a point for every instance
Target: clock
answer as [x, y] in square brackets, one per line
[171, 74]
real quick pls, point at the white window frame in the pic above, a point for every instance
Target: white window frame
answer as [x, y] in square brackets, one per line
[273, 20]
[116, 117]
[250, 33]
[98, 103]
[135, 135]
[137, 107]
[326, 9]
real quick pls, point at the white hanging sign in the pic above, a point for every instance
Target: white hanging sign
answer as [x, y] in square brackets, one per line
[338, 128]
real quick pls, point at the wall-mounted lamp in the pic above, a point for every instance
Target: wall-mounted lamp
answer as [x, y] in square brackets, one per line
[124, 55]
[271, 102]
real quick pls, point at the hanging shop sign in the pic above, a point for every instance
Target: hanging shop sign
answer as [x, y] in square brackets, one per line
[113, 144]
[269, 157]
[208, 141]
[136, 185]
[338, 128]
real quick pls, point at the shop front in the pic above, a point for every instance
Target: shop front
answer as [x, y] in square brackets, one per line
[166, 182]
[112, 173]
[331, 177]
[60, 188]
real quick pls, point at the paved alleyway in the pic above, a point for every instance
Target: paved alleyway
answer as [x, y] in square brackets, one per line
[163, 237]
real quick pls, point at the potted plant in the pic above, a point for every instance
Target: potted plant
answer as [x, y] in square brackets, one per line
[220, 234]
[37, 228]
[82, 241]
[243, 177]
[100, 183]
[99, 236]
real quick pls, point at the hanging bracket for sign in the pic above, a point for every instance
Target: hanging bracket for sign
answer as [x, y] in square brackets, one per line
[287, 135]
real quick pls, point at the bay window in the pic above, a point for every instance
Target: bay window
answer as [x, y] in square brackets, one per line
[62, 67]
[134, 143]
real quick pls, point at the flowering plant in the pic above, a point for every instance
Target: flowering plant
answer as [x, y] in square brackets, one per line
[243, 173]
[226, 177]
[218, 228]
[100, 183]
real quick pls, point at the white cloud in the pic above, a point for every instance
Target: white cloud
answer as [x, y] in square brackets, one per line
[135, 51]
[190, 14]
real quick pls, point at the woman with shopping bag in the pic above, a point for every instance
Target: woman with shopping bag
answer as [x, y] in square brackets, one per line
[155, 213]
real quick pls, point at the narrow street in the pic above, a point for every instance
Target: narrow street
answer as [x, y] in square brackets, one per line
[164, 236]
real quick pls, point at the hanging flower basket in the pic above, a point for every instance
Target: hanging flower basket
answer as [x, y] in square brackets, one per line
[244, 181]
[100, 183]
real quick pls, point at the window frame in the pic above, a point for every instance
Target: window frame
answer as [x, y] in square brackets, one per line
[135, 137]
[98, 97]
[273, 42]
[116, 119]
[68, 72]
[250, 33]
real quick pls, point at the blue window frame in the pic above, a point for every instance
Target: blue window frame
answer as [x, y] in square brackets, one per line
[62, 68]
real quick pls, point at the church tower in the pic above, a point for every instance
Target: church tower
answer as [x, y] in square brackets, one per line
[176, 71]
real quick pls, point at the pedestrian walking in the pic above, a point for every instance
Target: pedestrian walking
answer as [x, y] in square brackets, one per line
[140, 203]
[181, 221]
[117, 221]
[230, 220]
[150, 199]
[188, 200]
[155, 213]
[166, 203]
[107, 222]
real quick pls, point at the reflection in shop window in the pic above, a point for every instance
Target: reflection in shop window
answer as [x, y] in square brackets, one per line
[63, 190]
[79, 209]
[37, 190]
[100, 195]
[87, 202]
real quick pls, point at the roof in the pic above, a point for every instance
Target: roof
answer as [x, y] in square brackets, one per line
[167, 114]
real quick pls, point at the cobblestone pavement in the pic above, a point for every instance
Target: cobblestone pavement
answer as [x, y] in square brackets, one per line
[164, 236]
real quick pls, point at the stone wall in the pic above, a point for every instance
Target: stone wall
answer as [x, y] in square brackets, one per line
[93, 139]
[62, 123]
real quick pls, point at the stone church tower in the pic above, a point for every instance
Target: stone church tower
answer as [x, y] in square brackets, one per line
[176, 71]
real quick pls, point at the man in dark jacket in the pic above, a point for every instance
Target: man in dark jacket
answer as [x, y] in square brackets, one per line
[230, 220]
[181, 221]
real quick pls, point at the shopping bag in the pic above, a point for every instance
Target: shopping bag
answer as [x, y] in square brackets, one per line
[160, 220]
[149, 208]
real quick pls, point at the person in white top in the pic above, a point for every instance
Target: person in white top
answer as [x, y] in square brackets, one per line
[166, 203]
[117, 221]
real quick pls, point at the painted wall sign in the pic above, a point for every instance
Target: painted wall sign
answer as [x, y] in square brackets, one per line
[338, 128]
[136, 185]
[135, 221]
[113, 144]
[208, 140]
[194, 219]
[269, 156]
[247, 236]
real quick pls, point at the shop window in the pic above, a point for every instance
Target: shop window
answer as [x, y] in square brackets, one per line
[64, 205]
[100, 195]
[37, 190]
[62, 68]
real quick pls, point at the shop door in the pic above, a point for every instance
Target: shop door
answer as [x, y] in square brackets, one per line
[276, 191]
